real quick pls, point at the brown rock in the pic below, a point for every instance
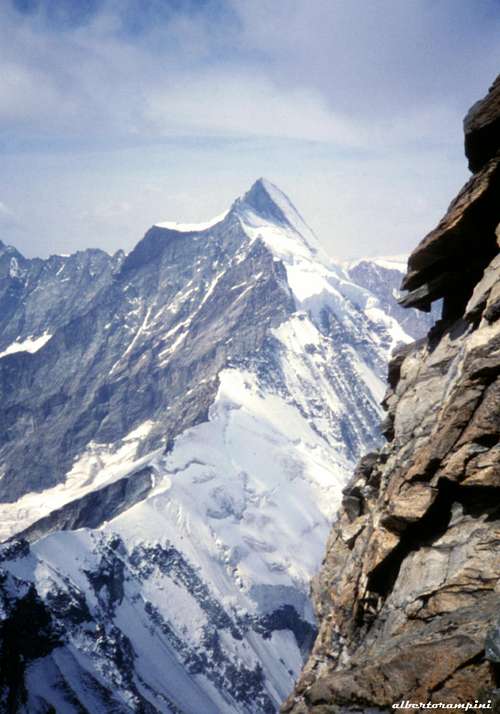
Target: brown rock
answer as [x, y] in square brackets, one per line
[482, 128]
[451, 259]
[484, 469]
[381, 545]
[485, 291]
[466, 684]
[484, 426]
[409, 506]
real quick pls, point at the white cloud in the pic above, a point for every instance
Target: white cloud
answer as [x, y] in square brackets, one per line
[225, 104]
[348, 72]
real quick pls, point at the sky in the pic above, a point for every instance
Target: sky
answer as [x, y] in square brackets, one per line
[116, 114]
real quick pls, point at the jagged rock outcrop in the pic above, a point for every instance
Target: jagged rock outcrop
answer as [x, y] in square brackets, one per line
[408, 598]
[482, 128]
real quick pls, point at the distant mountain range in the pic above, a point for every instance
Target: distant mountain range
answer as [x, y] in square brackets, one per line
[177, 427]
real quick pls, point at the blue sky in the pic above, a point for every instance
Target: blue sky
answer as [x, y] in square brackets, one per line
[115, 114]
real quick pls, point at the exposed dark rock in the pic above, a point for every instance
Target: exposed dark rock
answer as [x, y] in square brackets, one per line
[482, 128]
[27, 633]
[492, 644]
[92, 510]
[16, 548]
[89, 382]
[286, 618]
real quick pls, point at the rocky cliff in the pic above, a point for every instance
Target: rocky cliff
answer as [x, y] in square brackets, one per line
[408, 598]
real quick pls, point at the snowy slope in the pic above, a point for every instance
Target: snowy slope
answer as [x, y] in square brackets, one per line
[238, 379]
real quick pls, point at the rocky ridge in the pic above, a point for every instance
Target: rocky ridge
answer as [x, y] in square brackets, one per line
[408, 597]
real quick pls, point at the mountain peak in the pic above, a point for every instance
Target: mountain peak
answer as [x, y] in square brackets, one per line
[266, 212]
[191, 422]
[6, 248]
[267, 201]
[263, 199]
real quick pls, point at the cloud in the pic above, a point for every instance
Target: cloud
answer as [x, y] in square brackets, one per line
[238, 105]
[354, 73]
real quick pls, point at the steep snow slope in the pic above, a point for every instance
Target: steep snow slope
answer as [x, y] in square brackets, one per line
[224, 383]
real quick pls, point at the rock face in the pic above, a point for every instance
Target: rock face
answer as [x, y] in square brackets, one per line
[177, 427]
[482, 128]
[408, 597]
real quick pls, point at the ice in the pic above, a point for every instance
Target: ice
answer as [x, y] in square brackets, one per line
[29, 344]
[192, 227]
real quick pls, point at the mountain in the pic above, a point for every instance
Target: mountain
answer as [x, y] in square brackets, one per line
[408, 596]
[177, 427]
[382, 276]
[41, 295]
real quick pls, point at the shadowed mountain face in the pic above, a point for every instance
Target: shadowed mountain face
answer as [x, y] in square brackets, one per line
[177, 426]
[408, 595]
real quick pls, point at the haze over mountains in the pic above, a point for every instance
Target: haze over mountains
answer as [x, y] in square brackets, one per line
[177, 427]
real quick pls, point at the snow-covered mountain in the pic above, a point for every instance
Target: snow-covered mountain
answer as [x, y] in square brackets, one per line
[382, 277]
[178, 424]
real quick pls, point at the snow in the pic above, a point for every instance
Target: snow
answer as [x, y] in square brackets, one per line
[14, 269]
[226, 494]
[98, 466]
[294, 219]
[283, 240]
[248, 497]
[316, 281]
[192, 227]
[142, 328]
[395, 331]
[389, 262]
[29, 344]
